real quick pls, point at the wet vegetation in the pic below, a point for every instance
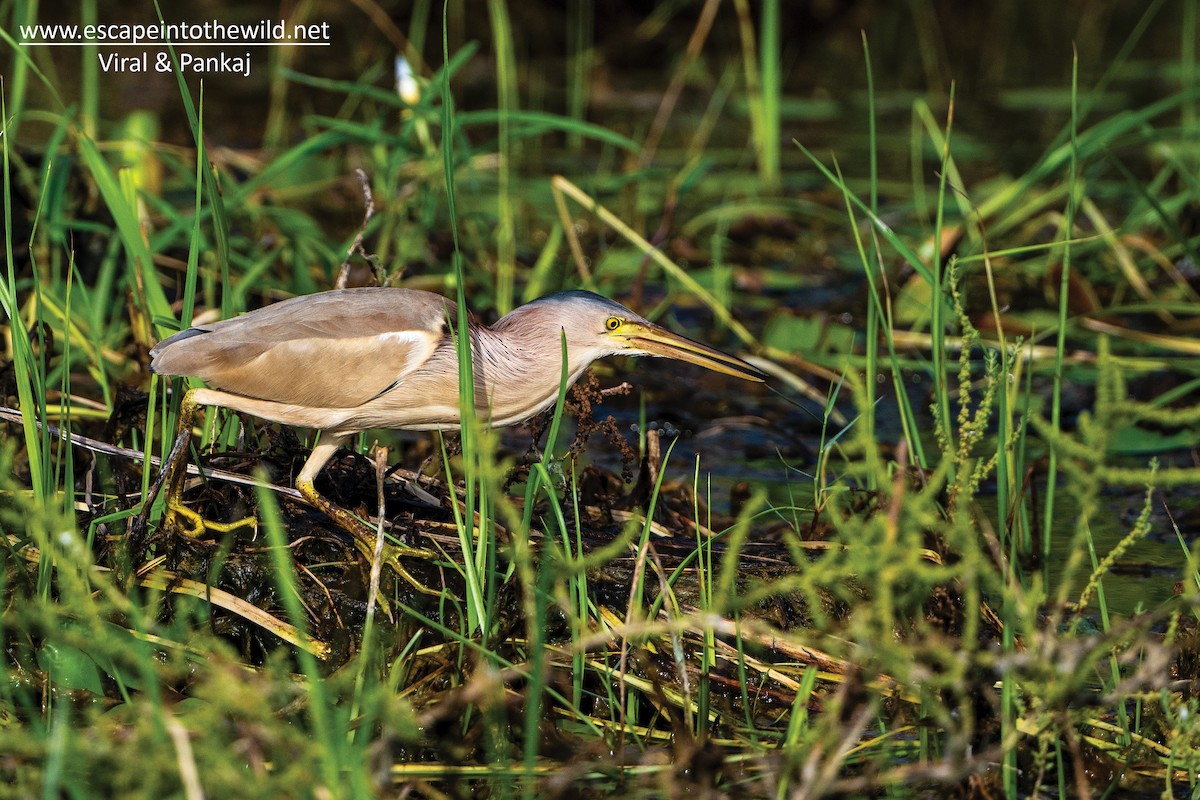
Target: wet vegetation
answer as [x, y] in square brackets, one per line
[950, 550]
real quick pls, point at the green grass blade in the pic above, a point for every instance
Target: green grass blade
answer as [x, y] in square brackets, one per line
[1060, 342]
[319, 708]
[506, 84]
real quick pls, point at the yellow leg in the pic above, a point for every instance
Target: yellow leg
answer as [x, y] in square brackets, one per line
[361, 534]
[179, 517]
[191, 524]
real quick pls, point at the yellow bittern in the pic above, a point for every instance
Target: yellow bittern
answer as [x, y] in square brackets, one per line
[348, 360]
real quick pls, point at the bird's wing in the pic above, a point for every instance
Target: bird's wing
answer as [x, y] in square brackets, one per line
[335, 349]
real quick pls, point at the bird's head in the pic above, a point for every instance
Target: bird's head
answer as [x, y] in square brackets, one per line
[596, 327]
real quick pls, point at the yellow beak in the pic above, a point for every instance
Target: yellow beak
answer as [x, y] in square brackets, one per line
[648, 338]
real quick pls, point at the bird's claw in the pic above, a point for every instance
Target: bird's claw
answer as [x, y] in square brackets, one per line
[392, 555]
[193, 525]
[364, 541]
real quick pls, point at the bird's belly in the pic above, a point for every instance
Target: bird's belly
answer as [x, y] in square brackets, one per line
[400, 408]
[378, 415]
[405, 410]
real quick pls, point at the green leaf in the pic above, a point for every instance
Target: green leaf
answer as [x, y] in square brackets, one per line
[1132, 440]
[70, 668]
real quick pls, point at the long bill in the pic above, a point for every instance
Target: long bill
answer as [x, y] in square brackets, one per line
[657, 341]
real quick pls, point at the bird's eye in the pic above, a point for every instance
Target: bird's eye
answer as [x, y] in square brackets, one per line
[612, 323]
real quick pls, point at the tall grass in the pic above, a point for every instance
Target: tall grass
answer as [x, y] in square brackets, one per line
[30, 377]
[763, 78]
[506, 83]
[581, 23]
[1061, 328]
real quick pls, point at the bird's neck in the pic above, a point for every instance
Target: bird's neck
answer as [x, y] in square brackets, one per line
[519, 371]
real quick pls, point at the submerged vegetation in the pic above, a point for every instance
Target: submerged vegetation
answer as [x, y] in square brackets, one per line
[954, 550]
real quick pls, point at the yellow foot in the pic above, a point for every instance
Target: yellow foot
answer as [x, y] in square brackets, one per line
[179, 517]
[364, 541]
[192, 525]
[361, 534]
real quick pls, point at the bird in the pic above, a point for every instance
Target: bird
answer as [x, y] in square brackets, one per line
[348, 360]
